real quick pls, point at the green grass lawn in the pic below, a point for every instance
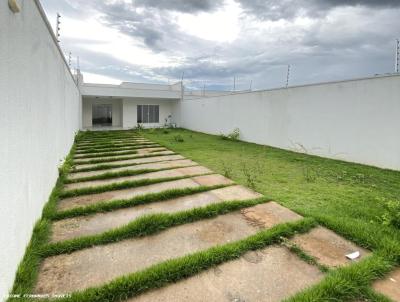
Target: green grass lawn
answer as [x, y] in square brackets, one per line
[348, 198]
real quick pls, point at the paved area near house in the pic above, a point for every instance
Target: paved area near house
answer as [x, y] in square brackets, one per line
[103, 174]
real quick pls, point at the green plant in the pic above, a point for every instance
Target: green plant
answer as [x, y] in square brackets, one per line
[392, 213]
[178, 138]
[227, 170]
[165, 131]
[139, 127]
[309, 174]
[234, 135]
[251, 174]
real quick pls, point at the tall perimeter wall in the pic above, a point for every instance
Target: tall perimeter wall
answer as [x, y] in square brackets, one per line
[355, 120]
[40, 112]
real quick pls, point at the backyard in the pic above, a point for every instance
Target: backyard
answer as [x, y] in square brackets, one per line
[348, 198]
[136, 215]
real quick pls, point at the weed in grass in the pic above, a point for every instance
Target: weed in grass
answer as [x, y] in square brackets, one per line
[251, 174]
[391, 216]
[179, 138]
[227, 169]
[139, 127]
[310, 174]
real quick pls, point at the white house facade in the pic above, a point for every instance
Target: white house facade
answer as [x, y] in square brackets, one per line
[126, 105]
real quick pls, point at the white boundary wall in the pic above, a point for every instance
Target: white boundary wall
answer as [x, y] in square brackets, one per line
[355, 120]
[40, 112]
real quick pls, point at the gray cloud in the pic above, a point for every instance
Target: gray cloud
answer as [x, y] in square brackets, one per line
[352, 43]
[187, 6]
[288, 9]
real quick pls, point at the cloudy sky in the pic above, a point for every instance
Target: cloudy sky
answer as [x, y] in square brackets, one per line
[213, 41]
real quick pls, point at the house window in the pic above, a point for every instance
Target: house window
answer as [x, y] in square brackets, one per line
[148, 114]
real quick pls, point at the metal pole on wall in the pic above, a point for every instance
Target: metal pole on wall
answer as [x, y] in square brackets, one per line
[58, 27]
[287, 76]
[396, 66]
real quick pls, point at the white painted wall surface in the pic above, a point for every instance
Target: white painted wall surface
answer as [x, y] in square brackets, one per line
[39, 115]
[127, 90]
[356, 120]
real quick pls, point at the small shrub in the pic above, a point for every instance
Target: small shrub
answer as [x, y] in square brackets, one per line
[223, 136]
[251, 174]
[227, 170]
[234, 135]
[178, 138]
[392, 213]
[139, 127]
[309, 174]
[165, 131]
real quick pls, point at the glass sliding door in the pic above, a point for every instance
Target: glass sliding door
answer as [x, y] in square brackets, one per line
[102, 115]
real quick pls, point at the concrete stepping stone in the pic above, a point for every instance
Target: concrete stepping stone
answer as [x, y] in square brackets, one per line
[119, 141]
[95, 224]
[156, 165]
[268, 275]
[114, 158]
[193, 182]
[186, 171]
[134, 151]
[327, 247]
[390, 286]
[143, 160]
[150, 150]
[100, 264]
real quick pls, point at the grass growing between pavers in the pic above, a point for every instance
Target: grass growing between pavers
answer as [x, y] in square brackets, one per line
[149, 225]
[110, 166]
[345, 197]
[138, 200]
[129, 184]
[176, 269]
[117, 158]
[105, 154]
[91, 148]
[109, 175]
[294, 248]
[109, 140]
[110, 149]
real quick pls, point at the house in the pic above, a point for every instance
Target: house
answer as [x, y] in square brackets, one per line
[129, 104]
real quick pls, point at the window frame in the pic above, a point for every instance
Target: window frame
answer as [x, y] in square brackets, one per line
[148, 114]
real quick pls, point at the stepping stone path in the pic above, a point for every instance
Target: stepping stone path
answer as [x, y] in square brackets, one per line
[390, 286]
[272, 273]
